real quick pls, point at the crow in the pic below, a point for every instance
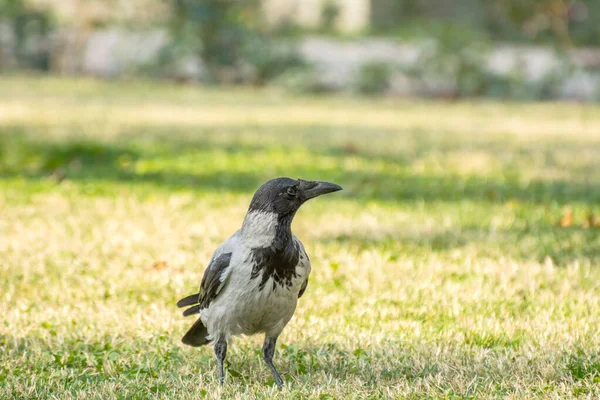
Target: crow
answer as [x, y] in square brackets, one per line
[255, 278]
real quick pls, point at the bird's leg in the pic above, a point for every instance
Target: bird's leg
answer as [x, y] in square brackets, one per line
[268, 351]
[221, 352]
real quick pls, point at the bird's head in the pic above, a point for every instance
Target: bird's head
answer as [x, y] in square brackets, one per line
[284, 196]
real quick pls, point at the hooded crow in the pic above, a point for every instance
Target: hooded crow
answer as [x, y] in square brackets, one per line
[255, 278]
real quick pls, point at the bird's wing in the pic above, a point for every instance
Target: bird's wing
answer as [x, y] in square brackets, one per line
[215, 278]
[303, 288]
[304, 259]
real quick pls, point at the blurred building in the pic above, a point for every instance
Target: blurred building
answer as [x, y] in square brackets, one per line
[95, 13]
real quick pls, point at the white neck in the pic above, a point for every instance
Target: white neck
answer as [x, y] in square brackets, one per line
[259, 228]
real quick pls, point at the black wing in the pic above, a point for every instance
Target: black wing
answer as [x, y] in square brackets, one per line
[303, 288]
[213, 281]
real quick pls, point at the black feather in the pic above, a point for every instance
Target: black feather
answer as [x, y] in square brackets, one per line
[279, 259]
[303, 288]
[189, 300]
[192, 310]
[209, 288]
[197, 334]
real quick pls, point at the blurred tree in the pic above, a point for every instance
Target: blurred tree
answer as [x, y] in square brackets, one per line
[329, 15]
[565, 22]
[216, 30]
[232, 40]
[533, 19]
[584, 22]
[78, 19]
[28, 30]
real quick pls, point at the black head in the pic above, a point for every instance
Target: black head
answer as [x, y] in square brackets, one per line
[284, 196]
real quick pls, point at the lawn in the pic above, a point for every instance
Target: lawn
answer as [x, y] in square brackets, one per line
[441, 271]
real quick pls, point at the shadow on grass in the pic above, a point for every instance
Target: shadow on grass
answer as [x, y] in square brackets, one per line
[532, 243]
[180, 161]
[24, 155]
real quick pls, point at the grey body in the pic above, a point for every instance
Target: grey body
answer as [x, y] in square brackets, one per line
[242, 307]
[255, 277]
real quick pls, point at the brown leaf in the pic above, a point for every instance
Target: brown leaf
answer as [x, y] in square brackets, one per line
[594, 220]
[567, 218]
[159, 265]
[590, 222]
[350, 148]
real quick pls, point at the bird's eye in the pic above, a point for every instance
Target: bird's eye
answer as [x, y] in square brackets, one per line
[291, 191]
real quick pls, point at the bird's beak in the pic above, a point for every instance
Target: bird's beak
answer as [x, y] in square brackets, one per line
[312, 189]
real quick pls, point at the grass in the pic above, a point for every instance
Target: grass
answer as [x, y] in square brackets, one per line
[440, 272]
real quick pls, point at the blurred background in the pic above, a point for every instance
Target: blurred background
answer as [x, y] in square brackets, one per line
[506, 49]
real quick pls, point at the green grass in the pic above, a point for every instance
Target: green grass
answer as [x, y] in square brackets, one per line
[440, 272]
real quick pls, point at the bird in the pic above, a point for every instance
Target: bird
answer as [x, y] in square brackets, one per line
[254, 279]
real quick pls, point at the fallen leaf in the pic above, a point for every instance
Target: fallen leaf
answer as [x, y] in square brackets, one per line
[159, 266]
[589, 221]
[592, 220]
[567, 218]
[350, 148]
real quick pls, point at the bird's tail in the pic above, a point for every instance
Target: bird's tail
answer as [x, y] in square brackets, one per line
[197, 335]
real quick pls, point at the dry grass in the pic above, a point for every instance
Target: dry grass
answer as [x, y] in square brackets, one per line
[440, 272]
